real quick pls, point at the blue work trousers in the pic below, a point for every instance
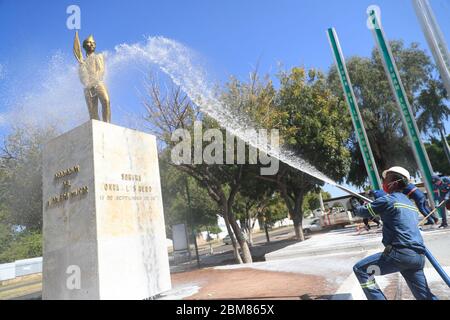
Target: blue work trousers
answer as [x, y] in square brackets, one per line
[406, 261]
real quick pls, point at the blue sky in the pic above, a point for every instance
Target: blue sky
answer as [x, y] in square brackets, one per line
[231, 36]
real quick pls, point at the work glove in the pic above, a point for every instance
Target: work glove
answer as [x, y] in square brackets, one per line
[378, 194]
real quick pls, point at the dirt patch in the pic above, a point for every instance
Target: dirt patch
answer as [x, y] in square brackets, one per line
[21, 280]
[252, 284]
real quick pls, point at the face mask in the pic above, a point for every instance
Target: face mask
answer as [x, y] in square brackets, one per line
[385, 187]
[388, 186]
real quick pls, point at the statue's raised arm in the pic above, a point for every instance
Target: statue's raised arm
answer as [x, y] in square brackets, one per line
[77, 49]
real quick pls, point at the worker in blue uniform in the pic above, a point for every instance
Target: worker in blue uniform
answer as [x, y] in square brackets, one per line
[404, 247]
[441, 186]
[419, 198]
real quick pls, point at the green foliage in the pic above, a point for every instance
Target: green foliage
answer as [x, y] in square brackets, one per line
[255, 99]
[305, 112]
[21, 176]
[5, 237]
[275, 210]
[312, 202]
[214, 229]
[258, 200]
[437, 156]
[434, 110]
[311, 129]
[22, 245]
[198, 210]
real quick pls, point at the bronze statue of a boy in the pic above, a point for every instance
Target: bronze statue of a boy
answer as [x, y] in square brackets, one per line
[91, 71]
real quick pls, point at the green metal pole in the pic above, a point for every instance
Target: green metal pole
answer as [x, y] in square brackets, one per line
[360, 131]
[402, 101]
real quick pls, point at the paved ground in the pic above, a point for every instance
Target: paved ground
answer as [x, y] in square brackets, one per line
[319, 268]
[347, 239]
[325, 260]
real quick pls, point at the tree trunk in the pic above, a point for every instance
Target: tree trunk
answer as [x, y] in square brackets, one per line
[249, 227]
[246, 254]
[226, 217]
[294, 210]
[245, 250]
[266, 229]
[297, 227]
[250, 237]
[298, 217]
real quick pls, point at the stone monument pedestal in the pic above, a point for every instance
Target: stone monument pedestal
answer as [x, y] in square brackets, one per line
[104, 232]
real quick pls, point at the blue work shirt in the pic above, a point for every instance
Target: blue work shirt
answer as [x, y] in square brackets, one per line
[378, 193]
[399, 216]
[414, 193]
[444, 189]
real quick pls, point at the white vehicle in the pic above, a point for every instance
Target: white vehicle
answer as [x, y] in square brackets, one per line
[313, 226]
[334, 219]
[227, 239]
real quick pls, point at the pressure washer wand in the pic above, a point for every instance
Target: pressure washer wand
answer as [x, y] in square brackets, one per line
[356, 194]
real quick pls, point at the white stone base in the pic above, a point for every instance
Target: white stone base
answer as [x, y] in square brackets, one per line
[104, 232]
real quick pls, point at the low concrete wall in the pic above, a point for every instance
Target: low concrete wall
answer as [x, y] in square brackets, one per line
[7, 271]
[28, 266]
[20, 268]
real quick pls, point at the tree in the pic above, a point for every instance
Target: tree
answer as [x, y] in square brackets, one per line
[434, 111]
[274, 211]
[199, 212]
[172, 110]
[437, 156]
[21, 175]
[252, 203]
[312, 200]
[309, 112]
[304, 111]
[22, 245]
[379, 110]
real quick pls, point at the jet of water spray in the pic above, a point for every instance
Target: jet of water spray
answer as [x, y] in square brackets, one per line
[176, 61]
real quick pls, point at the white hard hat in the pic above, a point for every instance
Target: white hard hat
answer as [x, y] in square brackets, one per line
[399, 170]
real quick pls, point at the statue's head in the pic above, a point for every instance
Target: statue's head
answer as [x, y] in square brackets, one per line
[89, 44]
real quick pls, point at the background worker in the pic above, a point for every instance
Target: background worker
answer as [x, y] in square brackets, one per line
[375, 194]
[441, 186]
[355, 203]
[419, 198]
[404, 247]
